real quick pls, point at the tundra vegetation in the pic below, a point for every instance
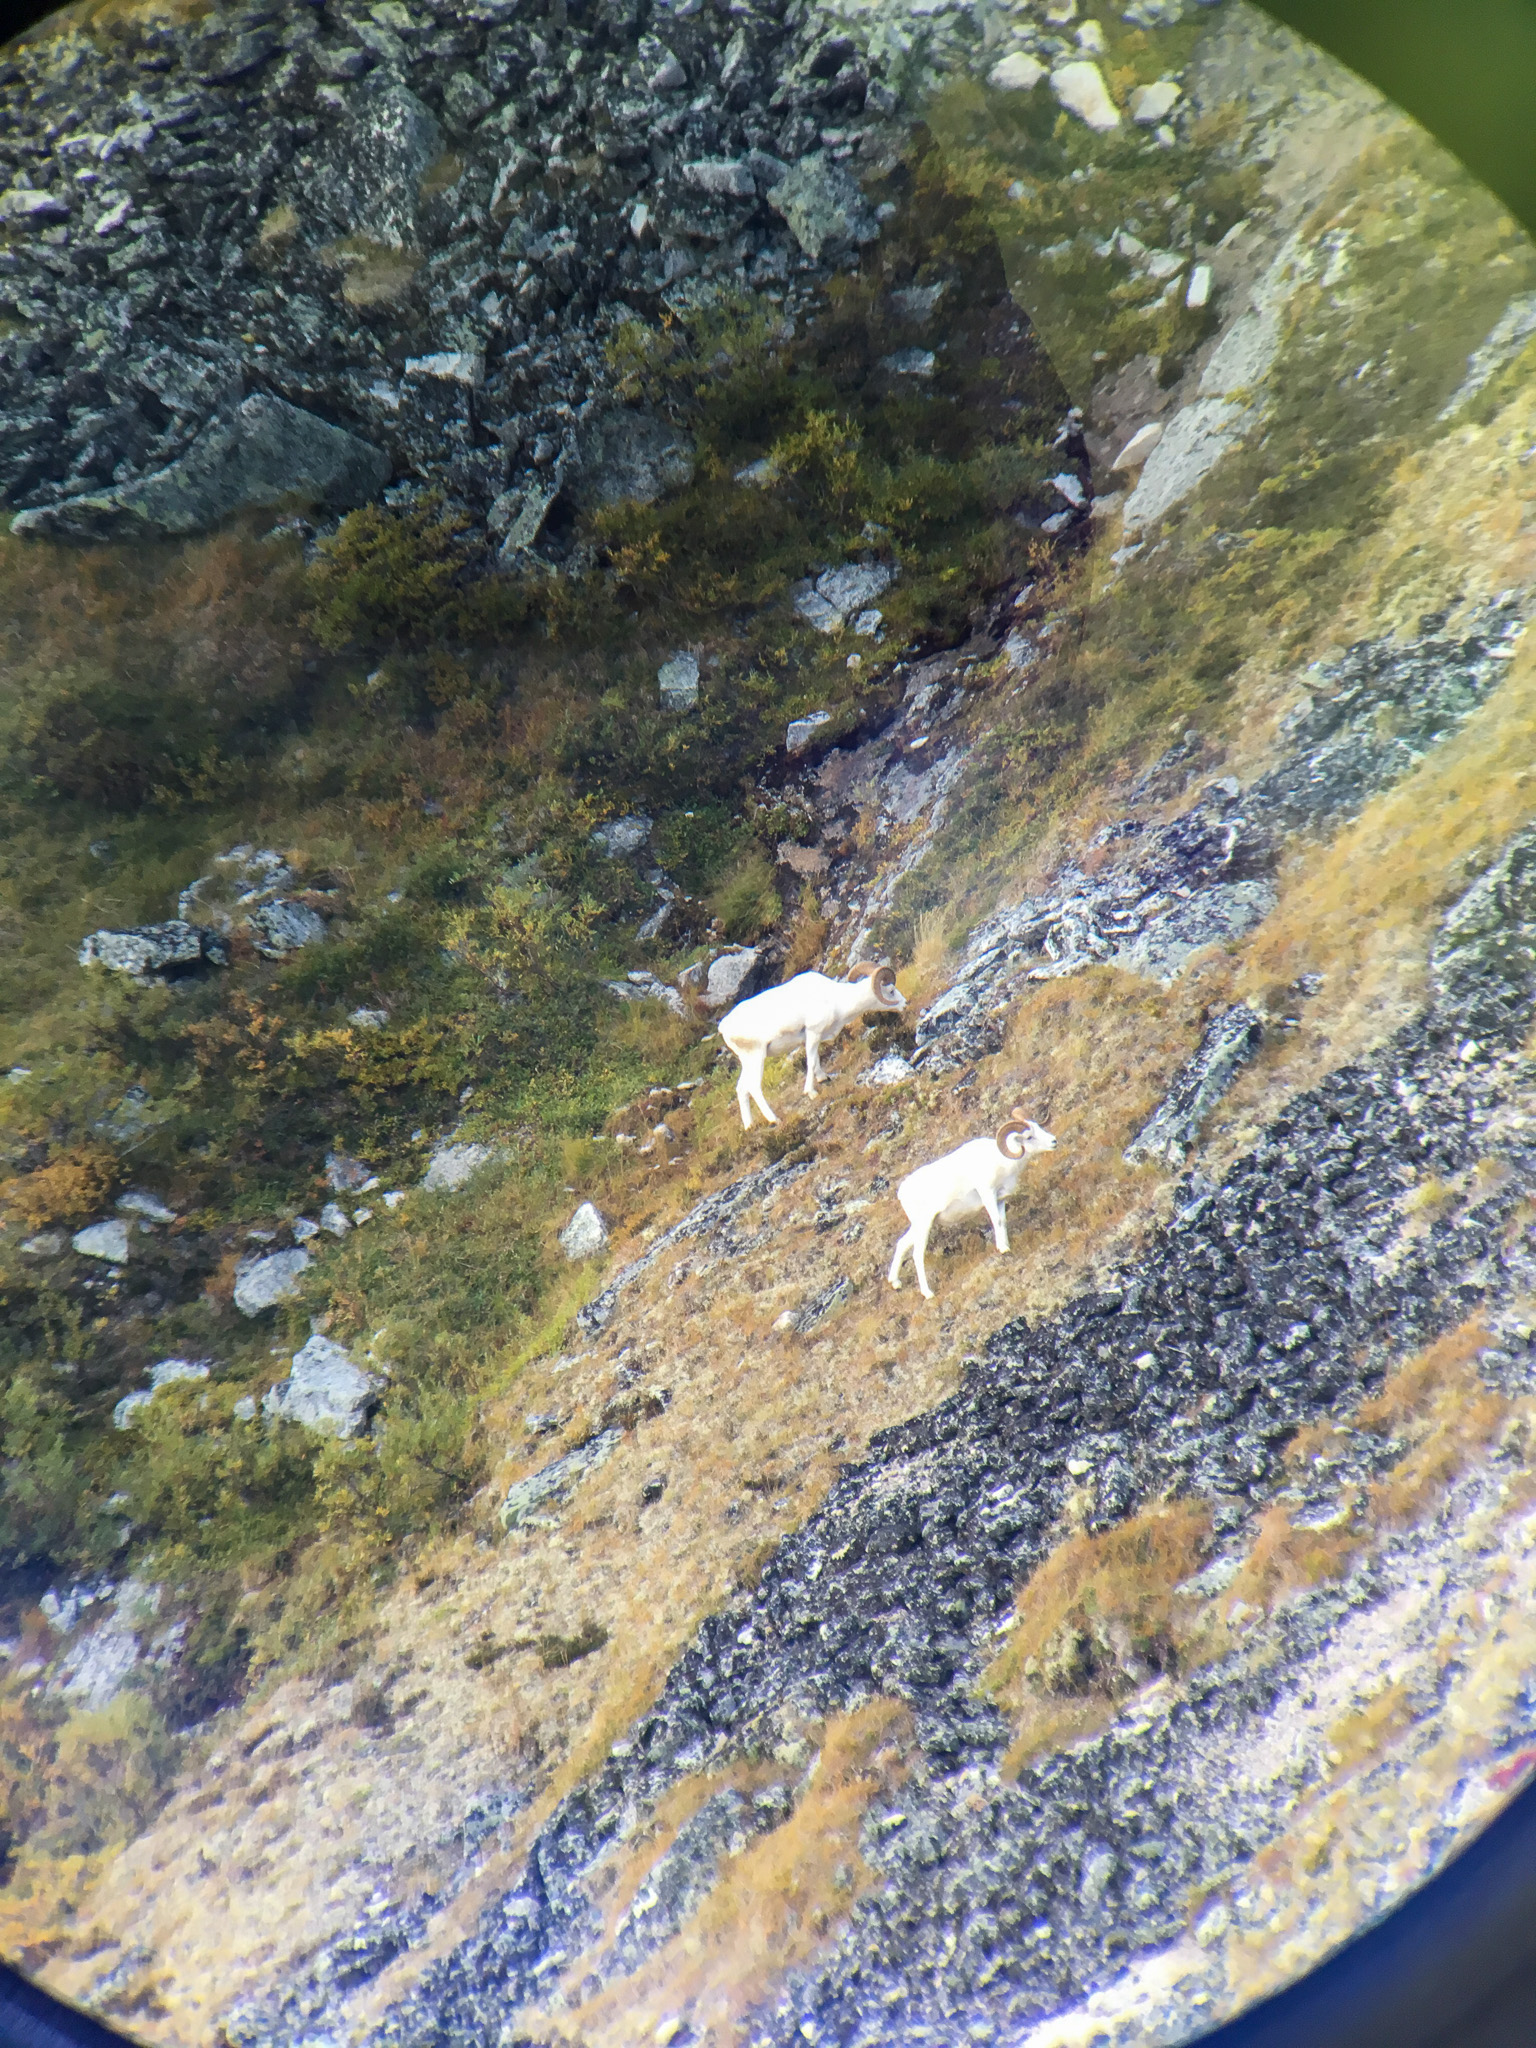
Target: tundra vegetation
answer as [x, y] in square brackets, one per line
[432, 747]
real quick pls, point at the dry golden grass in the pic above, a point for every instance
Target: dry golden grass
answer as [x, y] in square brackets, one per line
[1095, 1612]
[773, 1905]
[372, 273]
[68, 1189]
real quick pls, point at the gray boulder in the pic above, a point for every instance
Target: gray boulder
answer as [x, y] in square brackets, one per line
[838, 594]
[155, 951]
[623, 836]
[262, 1283]
[367, 181]
[280, 928]
[1484, 960]
[1230, 1041]
[799, 733]
[166, 1374]
[624, 452]
[1216, 916]
[678, 682]
[823, 208]
[585, 1235]
[641, 986]
[451, 1166]
[326, 1391]
[107, 1240]
[241, 878]
[265, 455]
[730, 977]
[547, 1488]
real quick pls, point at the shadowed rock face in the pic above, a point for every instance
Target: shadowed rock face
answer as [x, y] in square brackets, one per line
[294, 208]
[268, 455]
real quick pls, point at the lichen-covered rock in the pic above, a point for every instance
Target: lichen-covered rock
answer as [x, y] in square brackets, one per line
[261, 1283]
[452, 1166]
[326, 1391]
[623, 836]
[107, 1240]
[365, 181]
[823, 208]
[1484, 960]
[280, 928]
[677, 681]
[167, 1373]
[526, 1500]
[626, 452]
[1230, 1041]
[155, 951]
[585, 1235]
[267, 454]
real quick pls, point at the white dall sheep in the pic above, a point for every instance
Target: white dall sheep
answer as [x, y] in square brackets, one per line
[808, 1010]
[975, 1179]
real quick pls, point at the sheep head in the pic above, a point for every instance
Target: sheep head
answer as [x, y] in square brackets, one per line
[1019, 1137]
[882, 982]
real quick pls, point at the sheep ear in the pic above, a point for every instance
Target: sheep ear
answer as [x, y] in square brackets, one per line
[1010, 1138]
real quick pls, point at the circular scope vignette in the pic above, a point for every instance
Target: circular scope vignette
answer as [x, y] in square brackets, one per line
[767, 1114]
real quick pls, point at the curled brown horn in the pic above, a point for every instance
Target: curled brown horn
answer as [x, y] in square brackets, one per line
[881, 979]
[1016, 1127]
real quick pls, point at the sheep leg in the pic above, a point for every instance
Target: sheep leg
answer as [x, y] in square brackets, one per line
[920, 1256]
[904, 1244]
[997, 1216]
[812, 1060]
[749, 1088]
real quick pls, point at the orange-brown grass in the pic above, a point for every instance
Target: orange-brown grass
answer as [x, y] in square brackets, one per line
[1286, 1559]
[774, 1905]
[1360, 1737]
[67, 1190]
[1449, 1415]
[1435, 1399]
[1113, 1593]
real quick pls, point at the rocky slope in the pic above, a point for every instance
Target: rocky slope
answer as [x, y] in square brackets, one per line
[1078, 1655]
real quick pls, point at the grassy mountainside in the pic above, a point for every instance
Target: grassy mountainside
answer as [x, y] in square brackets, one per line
[358, 1698]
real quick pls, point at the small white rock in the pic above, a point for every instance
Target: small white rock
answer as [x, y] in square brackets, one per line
[1199, 291]
[1017, 72]
[107, 1240]
[802, 731]
[452, 1165]
[1153, 103]
[334, 1219]
[261, 1283]
[1139, 446]
[678, 682]
[1080, 88]
[139, 1202]
[585, 1235]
